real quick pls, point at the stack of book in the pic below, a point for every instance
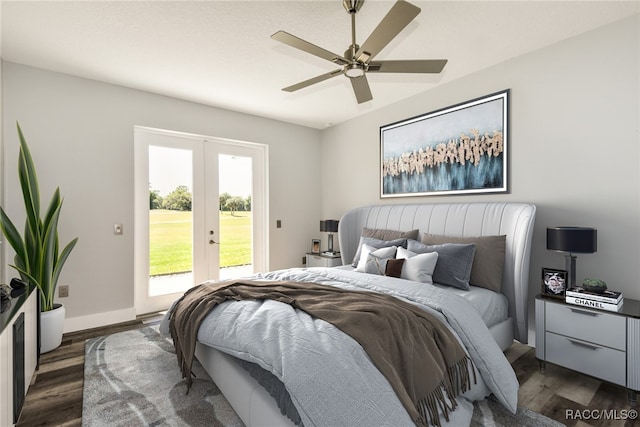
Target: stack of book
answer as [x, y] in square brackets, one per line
[607, 300]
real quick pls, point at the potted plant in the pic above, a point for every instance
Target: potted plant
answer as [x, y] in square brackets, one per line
[38, 259]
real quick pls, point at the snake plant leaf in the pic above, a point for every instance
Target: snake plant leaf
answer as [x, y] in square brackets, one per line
[13, 237]
[29, 184]
[54, 204]
[61, 261]
[47, 260]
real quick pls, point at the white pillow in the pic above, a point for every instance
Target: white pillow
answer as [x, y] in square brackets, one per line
[404, 253]
[389, 252]
[418, 268]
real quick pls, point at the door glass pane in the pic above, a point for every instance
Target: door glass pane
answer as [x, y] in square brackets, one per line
[170, 220]
[236, 220]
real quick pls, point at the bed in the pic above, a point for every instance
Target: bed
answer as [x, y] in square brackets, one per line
[484, 321]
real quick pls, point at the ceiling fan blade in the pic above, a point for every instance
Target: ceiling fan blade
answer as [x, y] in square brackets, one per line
[408, 66]
[311, 81]
[400, 15]
[298, 43]
[361, 89]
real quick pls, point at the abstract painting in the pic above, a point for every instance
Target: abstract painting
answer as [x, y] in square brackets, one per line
[461, 149]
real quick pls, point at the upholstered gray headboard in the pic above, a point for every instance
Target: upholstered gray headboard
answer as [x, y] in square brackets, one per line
[515, 220]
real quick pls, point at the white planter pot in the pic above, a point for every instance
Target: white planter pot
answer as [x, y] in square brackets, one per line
[51, 327]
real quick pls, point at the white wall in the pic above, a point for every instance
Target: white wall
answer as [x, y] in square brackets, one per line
[81, 136]
[574, 153]
[574, 148]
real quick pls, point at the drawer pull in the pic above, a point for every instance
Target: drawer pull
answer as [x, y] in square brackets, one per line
[585, 312]
[583, 344]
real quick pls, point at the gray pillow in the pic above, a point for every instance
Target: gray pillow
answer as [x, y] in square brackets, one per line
[376, 265]
[454, 262]
[488, 262]
[376, 243]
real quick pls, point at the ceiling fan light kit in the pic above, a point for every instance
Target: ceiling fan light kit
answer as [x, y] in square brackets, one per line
[358, 60]
[354, 70]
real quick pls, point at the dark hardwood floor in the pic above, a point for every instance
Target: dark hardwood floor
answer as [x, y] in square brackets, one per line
[55, 394]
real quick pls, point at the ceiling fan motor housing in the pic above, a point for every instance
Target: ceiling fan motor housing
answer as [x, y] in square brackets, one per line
[352, 6]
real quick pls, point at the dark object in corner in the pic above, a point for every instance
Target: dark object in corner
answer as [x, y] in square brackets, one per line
[18, 287]
[17, 284]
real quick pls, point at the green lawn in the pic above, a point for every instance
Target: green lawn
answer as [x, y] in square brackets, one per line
[170, 240]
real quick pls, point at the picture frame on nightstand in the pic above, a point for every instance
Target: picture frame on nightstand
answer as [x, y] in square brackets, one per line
[554, 283]
[315, 246]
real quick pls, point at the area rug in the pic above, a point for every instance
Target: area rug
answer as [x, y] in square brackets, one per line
[132, 379]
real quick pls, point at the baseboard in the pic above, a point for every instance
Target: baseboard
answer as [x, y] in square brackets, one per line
[99, 319]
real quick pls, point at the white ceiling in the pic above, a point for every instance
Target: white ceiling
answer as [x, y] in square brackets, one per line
[220, 53]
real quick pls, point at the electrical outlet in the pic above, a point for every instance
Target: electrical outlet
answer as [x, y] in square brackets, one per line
[117, 229]
[63, 291]
[278, 223]
[304, 260]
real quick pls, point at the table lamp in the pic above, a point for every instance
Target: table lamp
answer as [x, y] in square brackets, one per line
[330, 226]
[572, 240]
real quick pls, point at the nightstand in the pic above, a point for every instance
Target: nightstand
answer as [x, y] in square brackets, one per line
[599, 343]
[322, 260]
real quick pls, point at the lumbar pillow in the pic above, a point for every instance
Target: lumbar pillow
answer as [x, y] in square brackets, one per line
[376, 243]
[454, 262]
[383, 266]
[417, 267]
[488, 261]
[388, 252]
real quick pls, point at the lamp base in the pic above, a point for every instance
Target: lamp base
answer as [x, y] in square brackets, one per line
[570, 266]
[330, 243]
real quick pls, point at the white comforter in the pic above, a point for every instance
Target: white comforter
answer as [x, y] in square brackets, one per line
[330, 378]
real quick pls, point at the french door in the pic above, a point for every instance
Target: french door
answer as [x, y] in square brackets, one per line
[200, 213]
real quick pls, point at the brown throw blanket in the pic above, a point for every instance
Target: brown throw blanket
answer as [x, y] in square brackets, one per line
[415, 352]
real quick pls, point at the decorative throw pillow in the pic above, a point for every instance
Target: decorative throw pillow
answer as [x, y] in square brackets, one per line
[383, 266]
[387, 252]
[417, 267]
[376, 243]
[394, 267]
[375, 265]
[454, 262]
[488, 261]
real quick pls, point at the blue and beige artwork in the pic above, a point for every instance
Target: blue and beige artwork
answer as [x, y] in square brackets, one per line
[454, 151]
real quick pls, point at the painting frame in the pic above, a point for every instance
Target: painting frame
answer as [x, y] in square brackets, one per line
[460, 149]
[315, 246]
[546, 290]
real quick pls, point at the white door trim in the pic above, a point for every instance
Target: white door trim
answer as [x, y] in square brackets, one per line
[202, 176]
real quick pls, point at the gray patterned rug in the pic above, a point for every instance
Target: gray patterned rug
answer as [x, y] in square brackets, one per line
[132, 379]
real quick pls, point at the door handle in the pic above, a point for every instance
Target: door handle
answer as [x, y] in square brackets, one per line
[211, 241]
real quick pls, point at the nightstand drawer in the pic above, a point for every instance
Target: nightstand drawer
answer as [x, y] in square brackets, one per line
[600, 362]
[594, 326]
[314, 260]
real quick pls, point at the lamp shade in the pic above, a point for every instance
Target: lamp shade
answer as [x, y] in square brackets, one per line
[329, 225]
[572, 239]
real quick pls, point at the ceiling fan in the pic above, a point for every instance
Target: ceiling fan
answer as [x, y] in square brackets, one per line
[358, 60]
